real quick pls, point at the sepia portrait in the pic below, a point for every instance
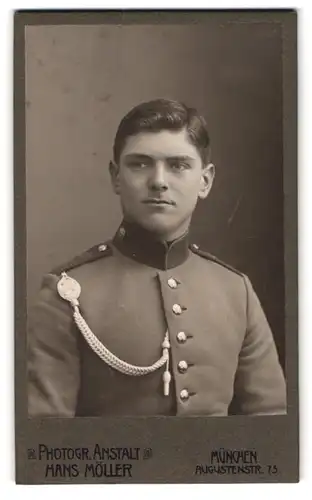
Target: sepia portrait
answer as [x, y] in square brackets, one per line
[155, 221]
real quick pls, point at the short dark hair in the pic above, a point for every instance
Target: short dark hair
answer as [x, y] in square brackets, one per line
[163, 114]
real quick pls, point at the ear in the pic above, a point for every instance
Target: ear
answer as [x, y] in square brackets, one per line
[206, 180]
[114, 174]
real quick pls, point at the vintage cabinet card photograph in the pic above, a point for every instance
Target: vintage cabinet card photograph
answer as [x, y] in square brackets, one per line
[155, 168]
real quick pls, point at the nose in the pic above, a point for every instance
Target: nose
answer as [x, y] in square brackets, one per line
[158, 179]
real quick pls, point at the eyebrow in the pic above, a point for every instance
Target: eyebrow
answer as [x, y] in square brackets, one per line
[142, 156]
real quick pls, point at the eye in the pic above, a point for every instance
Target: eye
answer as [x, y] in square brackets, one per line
[178, 165]
[138, 165]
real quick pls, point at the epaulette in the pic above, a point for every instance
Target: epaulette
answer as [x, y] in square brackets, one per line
[94, 253]
[208, 256]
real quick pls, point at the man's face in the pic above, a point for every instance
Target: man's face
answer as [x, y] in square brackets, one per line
[159, 179]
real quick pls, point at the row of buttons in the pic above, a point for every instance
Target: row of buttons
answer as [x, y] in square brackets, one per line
[177, 309]
[181, 338]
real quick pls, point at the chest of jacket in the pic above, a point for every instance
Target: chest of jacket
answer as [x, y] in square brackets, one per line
[129, 307]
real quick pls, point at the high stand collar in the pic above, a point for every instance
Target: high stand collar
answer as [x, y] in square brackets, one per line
[141, 245]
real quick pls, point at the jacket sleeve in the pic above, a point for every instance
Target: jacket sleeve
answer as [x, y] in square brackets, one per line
[53, 355]
[259, 387]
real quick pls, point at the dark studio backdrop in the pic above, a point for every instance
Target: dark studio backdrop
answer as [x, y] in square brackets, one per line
[81, 80]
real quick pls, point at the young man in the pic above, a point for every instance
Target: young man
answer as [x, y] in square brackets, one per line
[148, 324]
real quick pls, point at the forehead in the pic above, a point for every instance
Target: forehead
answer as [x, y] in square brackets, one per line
[162, 144]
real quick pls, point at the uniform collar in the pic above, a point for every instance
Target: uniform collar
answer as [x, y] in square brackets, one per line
[139, 244]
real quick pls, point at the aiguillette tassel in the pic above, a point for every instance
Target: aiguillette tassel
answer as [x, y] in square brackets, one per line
[167, 374]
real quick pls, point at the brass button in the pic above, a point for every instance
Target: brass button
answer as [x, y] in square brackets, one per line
[181, 337]
[184, 395]
[102, 248]
[172, 283]
[182, 366]
[177, 309]
[196, 247]
[122, 232]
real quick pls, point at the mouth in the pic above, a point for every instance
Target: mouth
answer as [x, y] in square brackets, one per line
[158, 201]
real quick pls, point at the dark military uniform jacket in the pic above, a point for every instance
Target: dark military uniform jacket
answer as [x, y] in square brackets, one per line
[133, 289]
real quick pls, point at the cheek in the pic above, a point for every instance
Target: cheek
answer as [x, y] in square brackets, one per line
[131, 186]
[189, 188]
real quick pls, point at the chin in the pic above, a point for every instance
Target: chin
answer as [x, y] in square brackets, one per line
[154, 225]
[163, 226]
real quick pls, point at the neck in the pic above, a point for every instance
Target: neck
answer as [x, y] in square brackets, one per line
[172, 235]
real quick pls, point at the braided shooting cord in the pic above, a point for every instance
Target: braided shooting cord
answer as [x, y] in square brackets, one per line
[69, 289]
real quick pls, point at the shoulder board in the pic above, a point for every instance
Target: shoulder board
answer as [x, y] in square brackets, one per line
[94, 253]
[208, 256]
